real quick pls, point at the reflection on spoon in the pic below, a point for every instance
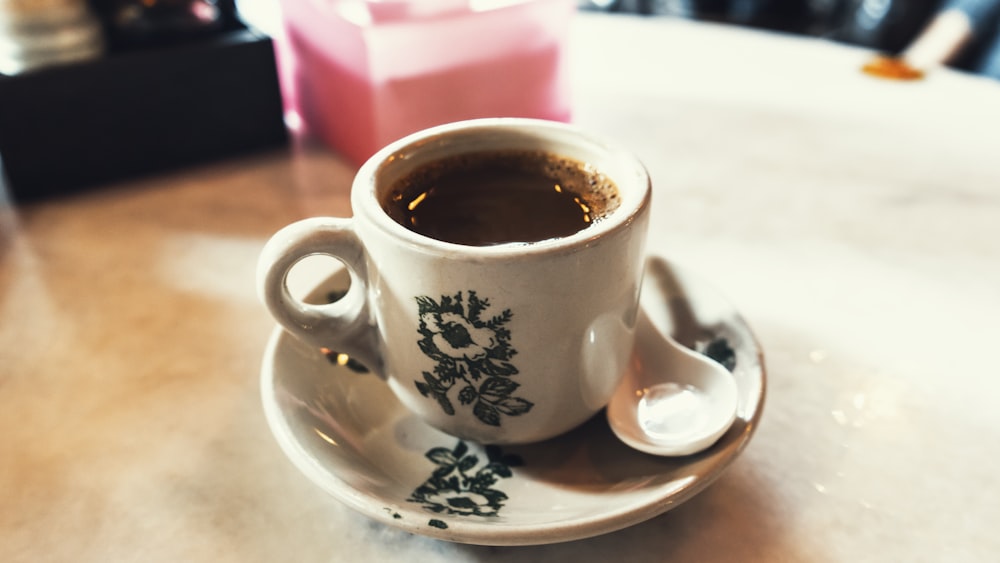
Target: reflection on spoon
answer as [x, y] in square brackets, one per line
[672, 401]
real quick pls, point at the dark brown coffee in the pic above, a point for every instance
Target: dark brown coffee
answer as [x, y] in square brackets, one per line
[488, 198]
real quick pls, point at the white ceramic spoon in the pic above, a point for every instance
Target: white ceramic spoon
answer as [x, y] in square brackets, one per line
[673, 401]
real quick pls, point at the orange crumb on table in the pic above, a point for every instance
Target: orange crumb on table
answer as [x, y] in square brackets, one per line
[891, 68]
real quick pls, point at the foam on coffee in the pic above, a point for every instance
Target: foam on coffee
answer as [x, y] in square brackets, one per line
[497, 197]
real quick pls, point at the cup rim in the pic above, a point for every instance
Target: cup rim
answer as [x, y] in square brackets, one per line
[635, 199]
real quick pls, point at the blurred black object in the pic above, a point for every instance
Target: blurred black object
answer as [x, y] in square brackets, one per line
[887, 26]
[884, 25]
[708, 10]
[987, 58]
[66, 128]
[714, 10]
[872, 23]
[820, 17]
[982, 53]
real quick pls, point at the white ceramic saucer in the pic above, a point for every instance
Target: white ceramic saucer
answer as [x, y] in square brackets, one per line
[348, 434]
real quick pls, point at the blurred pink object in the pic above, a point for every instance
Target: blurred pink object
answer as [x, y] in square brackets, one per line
[360, 74]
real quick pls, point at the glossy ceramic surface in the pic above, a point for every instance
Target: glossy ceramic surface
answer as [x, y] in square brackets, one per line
[349, 435]
[459, 331]
[673, 401]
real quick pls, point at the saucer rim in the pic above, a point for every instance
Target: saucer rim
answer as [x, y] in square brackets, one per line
[494, 533]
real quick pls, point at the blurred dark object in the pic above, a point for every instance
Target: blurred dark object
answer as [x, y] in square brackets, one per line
[781, 15]
[821, 16]
[599, 5]
[981, 53]
[66, 128]
[152, 23]
[708, 10]
[884, 25]
[714, 10]
[988, 63]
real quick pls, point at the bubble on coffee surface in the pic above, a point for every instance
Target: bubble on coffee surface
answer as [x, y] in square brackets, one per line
[501, 197]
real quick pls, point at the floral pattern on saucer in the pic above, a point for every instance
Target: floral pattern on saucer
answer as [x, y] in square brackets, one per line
[461, 485]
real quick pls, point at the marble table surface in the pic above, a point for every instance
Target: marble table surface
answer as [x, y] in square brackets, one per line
[855, 222]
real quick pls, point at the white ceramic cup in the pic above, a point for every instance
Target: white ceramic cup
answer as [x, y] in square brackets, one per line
[501, 344]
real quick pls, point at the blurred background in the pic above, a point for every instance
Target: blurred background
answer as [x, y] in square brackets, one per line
[888, 26]
[93, 91]
[36, 33]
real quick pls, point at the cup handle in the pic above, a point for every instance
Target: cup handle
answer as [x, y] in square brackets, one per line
[345, 325]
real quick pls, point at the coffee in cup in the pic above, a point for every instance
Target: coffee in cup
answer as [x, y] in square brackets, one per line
[500, 197]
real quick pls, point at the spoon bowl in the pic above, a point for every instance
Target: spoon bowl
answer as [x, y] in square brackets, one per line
[672, 401]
